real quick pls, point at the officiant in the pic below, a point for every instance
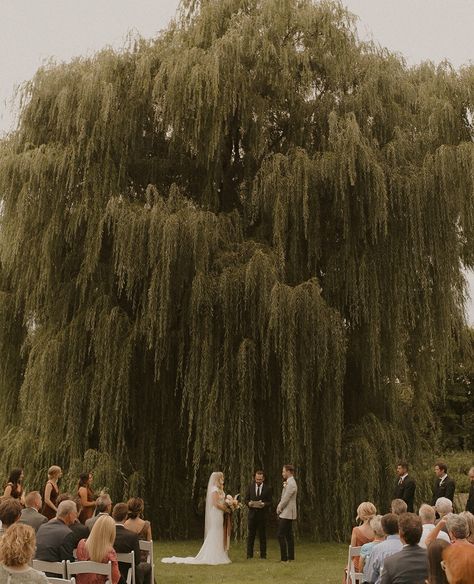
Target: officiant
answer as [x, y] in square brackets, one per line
[258, 499]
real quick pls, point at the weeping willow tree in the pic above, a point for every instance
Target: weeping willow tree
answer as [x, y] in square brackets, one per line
[237, 245]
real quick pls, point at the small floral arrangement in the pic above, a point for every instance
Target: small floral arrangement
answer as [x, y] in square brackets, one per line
[232, 503]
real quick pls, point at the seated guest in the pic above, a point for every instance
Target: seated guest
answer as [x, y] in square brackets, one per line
[79, 531]
[136, 523]
[14, 487]
[458, 529]
[469, 517]
[10, 512]
[17, 547]
[125, 542]
[51, 492]
[362, 534]
[98, 547]
[427, 516]
[30, 515]
[458, 562]
[376, 526]
[409, 565]
[436, 574]
[103, 506]
[55, 540]
[391, 545]
[398, 507]
[443, 506]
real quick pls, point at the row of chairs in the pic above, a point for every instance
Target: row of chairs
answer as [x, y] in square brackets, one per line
[66, 570]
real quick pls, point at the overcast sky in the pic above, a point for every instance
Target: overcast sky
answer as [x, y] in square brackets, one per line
[32, 31]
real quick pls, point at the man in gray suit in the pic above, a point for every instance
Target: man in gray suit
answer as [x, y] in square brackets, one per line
[54, 540]
[286, 511]
[103, 506]
[30, 515]
[410, 565]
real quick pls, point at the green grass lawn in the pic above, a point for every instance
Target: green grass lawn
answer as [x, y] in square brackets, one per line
[316, 563]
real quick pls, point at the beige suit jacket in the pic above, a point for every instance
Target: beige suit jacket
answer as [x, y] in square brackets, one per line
[287, 506]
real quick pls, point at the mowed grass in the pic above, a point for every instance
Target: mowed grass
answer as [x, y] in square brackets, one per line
[316, 563]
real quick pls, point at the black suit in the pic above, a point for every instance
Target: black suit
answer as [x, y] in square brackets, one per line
[54, 542]
[257, 518]
[125, 542]
[79, 532]
[409, 566]
[406, 491]
[470, 499]
[443, 489]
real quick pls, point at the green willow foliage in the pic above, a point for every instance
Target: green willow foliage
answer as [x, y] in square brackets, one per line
[240, 244]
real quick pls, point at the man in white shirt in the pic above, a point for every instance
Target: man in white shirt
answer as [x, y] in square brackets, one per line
[427, 515]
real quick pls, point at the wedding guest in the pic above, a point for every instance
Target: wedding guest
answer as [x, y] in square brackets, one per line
[362, 534]
[135, 521]
[436, 574]
[30, 515]
[391, 545]
[458, 529]
[469, 517]
[376, 525]
[17, 548]
[14, 488]
[398, 507]
[427, 516]
[443, 506]
[470, 498]
[458, 562]
[51, 492]
[55, 540]
[444, 485]
[86, 495]
[410, 564]
[125, 542]
[258, 499]
[103, 506]
[98, 547]
[287, 513]
[405, 486]
[10, 512]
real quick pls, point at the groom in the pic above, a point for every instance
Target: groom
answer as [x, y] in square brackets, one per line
[286, 512]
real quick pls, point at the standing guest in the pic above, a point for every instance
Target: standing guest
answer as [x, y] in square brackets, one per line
[409, 565]
[98, 547]
[444, 485]
[436, 574]
[125, 542]
[103, 506]
[30, 515]
[258, 499]
[51, 492]
[10, 512]
[469, 517]
[55, 540]
[135, 521]
[17, 548]
[86, 495]
[392, 544]
[362, 534]
[376, 525]
[458, 562]
[470, 499]
[287, 513]
[14, 488]
[427, 516]
[398, 507]
[405, 486]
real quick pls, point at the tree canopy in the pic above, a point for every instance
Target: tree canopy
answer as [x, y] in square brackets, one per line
[238, 244]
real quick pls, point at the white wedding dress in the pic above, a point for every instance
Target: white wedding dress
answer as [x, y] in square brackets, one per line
[212, 551]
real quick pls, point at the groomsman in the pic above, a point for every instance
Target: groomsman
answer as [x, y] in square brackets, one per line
[470, 499]
[258, 499]
[444, 485]
[286, 512]
[405, 486]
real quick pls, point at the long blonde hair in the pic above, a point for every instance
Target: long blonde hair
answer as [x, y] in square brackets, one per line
[101, 539]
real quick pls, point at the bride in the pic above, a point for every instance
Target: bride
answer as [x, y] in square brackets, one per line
[212, 551]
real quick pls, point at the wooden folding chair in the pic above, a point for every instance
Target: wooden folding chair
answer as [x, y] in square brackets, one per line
[88, 567]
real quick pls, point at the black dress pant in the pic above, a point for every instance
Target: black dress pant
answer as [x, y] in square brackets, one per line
[285, 538]
[256, 523]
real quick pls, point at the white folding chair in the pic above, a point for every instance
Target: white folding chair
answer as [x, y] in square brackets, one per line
[128, 559]
[88, 567]
[353, 577]
[147, 546]
[57, 568]
[61, 581]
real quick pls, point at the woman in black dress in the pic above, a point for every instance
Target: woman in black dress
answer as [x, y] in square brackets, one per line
[14, 488]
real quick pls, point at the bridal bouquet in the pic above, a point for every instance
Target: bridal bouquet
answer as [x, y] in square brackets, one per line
[232, 503]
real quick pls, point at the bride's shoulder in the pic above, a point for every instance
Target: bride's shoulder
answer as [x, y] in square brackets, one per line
[215, 489]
